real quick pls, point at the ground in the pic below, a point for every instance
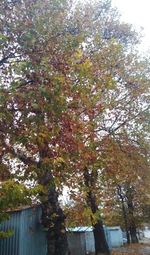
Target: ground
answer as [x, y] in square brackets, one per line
[142, 248]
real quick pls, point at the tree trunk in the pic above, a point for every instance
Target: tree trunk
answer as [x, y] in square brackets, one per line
[53, 220]
[126, 223]
[124, 212]
[132, 225]
[133, 234]
[101, 246]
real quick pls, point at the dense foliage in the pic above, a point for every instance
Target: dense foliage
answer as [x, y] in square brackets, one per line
[73, 107]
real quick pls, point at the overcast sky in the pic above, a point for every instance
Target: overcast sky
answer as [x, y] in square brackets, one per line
[136, 12]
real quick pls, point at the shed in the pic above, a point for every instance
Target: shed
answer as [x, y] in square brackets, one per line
[116, 236]
[28, 237]
[81, 240]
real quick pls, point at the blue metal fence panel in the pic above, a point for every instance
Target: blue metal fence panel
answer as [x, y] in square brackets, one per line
[28, 237]
[116, 237]
[76, 243]
[33, 238]
[89, 239]
[108, 237]
[10, 245]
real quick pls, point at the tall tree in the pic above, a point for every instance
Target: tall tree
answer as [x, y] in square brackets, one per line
[127, 171]
[34, 125]
[116, 102]
[69, 79]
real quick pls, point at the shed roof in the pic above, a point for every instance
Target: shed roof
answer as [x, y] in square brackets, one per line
[114, 228]
[21, 208]
[81, 229]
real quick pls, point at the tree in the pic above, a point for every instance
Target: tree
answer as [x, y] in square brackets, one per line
[33, 104]
[115, 111]
[128, 178]
[55, 57]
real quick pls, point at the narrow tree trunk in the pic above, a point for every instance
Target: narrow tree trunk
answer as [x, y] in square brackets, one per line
[132, 225]
[101, 246]
[124, 213]
[133, 234]
[126, 222]
[53, 219]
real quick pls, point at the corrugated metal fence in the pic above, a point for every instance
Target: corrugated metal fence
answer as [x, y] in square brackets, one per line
[11, 245]
[28, 237]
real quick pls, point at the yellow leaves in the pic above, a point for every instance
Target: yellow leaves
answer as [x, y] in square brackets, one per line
[40, 140]
[87, 212]
[81, 64]
[58, 165]
[58, 161]
[87, 64]
[59, 78]
[84, 67]
[78, 55]
[53, 163]
[42, 135]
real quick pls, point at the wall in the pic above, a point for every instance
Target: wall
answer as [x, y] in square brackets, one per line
[28, 237]
[76, 242]
[11, 245]
[116, 236]
[89, 240]
[33, 238]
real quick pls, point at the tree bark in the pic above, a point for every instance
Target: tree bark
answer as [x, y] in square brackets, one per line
[126, 222]
[133, 234]
[132, 225]
[53, 220]
[101, 246]
[124, 212]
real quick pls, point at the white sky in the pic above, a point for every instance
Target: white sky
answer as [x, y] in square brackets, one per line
[136, 12]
